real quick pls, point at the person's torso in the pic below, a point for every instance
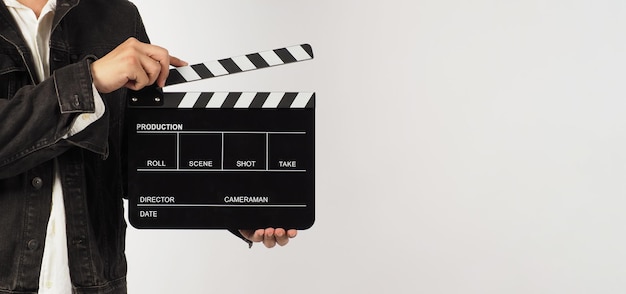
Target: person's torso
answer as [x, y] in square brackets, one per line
[93, 186]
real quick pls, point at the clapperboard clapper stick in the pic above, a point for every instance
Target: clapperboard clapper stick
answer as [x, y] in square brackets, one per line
[215, 160]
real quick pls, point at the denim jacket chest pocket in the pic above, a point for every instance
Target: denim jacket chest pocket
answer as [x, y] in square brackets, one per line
[13, 76]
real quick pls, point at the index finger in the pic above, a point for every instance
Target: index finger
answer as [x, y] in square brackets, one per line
[162, 56]
[175, 61]
[165, 68]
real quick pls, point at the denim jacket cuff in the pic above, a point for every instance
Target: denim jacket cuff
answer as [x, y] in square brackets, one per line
[74, 87]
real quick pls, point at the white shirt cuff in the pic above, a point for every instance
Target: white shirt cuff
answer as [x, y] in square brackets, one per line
[85, 119]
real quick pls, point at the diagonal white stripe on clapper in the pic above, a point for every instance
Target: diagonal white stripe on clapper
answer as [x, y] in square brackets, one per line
[188, 73]
[216, 68]
[217, 100]
[271, 58]
[273, 100]
[299, 53]
[302, 99]
[245, 100]
[189, 100]
[244, 63]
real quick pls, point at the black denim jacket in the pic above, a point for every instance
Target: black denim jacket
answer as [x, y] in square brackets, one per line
[34, 116]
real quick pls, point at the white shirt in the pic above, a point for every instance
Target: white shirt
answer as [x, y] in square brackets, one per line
[55, 275]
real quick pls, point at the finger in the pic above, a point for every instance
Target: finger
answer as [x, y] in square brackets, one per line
[155, 52]
[138, 71]
[175, 61]
[165, 71]
[172, 60]
[281, 237]
[162, 58]
[137, 79]
[257, 236]
[269, 240]
[292, 233]
[151, 67]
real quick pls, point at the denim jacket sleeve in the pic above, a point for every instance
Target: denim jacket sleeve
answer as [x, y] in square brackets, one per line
[34, 121]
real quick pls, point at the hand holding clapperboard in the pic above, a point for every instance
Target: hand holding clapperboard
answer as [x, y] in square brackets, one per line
[214, 160]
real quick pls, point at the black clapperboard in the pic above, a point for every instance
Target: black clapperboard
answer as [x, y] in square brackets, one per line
[215, 160]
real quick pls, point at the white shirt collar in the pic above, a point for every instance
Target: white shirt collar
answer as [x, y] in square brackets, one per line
[51, 5]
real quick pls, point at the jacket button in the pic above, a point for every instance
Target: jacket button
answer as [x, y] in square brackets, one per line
[76, 100]
[56, 58]
[33, 244]
[37, 183]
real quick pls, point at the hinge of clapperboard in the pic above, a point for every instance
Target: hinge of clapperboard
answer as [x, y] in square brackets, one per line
[151, 96]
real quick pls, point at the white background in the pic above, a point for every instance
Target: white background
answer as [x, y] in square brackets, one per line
[461, 147]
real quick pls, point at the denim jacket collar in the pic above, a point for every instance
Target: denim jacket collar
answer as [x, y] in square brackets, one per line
[63, 7]
[10, 31]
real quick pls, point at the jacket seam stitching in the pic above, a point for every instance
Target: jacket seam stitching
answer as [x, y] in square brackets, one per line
[38, 146]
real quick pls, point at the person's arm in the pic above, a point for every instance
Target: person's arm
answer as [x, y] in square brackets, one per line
[34, 121]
